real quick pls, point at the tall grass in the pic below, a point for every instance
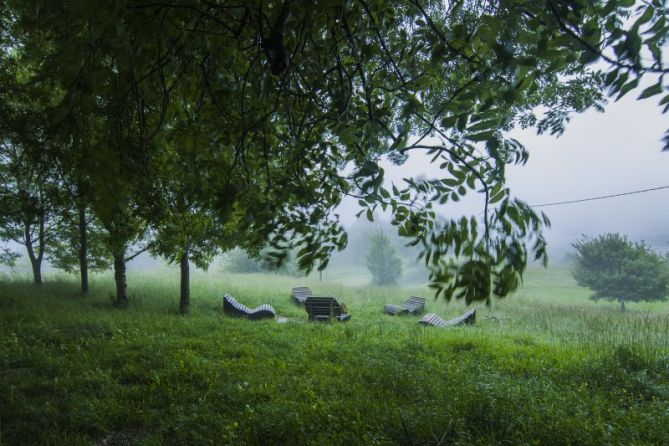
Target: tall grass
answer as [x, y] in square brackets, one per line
[546, 366]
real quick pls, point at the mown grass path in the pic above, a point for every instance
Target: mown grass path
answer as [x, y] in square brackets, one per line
[543, 367]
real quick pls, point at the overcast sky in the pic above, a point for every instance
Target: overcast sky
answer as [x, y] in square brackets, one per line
[599, 154]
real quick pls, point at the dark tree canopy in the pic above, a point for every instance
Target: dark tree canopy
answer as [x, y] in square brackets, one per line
[255, 109]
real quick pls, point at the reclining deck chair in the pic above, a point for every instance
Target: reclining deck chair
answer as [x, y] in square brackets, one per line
[324, 309]
[413, 305]
[234, 308]
[466, 319]
[301, 293]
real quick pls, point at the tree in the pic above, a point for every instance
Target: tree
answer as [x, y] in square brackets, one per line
[79, 244]
[27, 212]
[28, 190]
[80, 238]
[27, 198]
[299, 91]
[382, 260]
[619, 270]
[185, 228]
[8, 257]
[239, 261]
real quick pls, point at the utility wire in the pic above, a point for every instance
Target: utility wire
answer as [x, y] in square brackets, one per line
[603, 197]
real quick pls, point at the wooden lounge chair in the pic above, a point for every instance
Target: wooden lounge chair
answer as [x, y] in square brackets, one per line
[466, 319]
[234, 308]
[413, 305]
[301, 293]
[324, 309]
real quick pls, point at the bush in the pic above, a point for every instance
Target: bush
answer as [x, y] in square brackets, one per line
[619, 270]
[239, 261]
[382, 260]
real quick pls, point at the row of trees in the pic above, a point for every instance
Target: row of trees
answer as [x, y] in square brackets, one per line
[193, 127]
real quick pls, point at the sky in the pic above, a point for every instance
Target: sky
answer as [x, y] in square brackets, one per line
[599, 154]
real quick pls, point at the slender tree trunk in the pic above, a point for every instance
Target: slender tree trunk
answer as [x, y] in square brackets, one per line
[41, 236]
[35, 261]
[37, 272]
[83, 250]
[121, 281]
[184, 302]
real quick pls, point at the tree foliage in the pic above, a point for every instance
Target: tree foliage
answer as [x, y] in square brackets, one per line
[382, 260]
[249, 113]
[239, 261]
[28, 192]
[63, 251]
[619, 270]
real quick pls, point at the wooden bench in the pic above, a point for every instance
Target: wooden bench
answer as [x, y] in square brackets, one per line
[301, 293]
[233, 307]
[466, 319]
[413, 305]
[324, 309]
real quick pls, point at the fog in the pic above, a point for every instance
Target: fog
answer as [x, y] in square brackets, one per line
[599, 154]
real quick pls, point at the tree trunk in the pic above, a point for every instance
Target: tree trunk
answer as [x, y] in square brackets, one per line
[184, 302]
[37, 272]
[35, 261]
[121, 281]
[622, 305]
[83, 250]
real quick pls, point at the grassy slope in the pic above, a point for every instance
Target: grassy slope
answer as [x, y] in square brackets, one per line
[546, 366]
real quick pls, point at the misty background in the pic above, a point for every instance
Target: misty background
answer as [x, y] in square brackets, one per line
[599, 154]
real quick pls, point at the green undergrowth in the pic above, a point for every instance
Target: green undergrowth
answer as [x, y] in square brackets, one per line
[535, 369]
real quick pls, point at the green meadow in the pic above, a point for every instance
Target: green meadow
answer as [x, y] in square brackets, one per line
[546, 366]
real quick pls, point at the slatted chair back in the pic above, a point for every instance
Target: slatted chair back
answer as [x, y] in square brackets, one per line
[324, 308]
[414, 304]
[263, 311]
[432, 319]
[233, 307]
[393, 309]
[301, 293]
[467, 318]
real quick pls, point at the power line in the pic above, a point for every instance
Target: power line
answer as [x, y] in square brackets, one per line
[603, 197]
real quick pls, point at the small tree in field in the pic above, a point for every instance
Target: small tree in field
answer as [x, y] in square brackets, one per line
[617, 269]
[382, 260]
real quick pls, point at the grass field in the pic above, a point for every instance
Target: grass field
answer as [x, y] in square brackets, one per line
[546, 366]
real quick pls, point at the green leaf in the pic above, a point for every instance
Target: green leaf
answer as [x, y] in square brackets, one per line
[627, 87]
[651, 91]
[645, 17]
[497, 197]
[483, 136]
[483, 125]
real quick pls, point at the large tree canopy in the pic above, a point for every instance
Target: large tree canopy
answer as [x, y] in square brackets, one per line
[619, 270]
[288, 95]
